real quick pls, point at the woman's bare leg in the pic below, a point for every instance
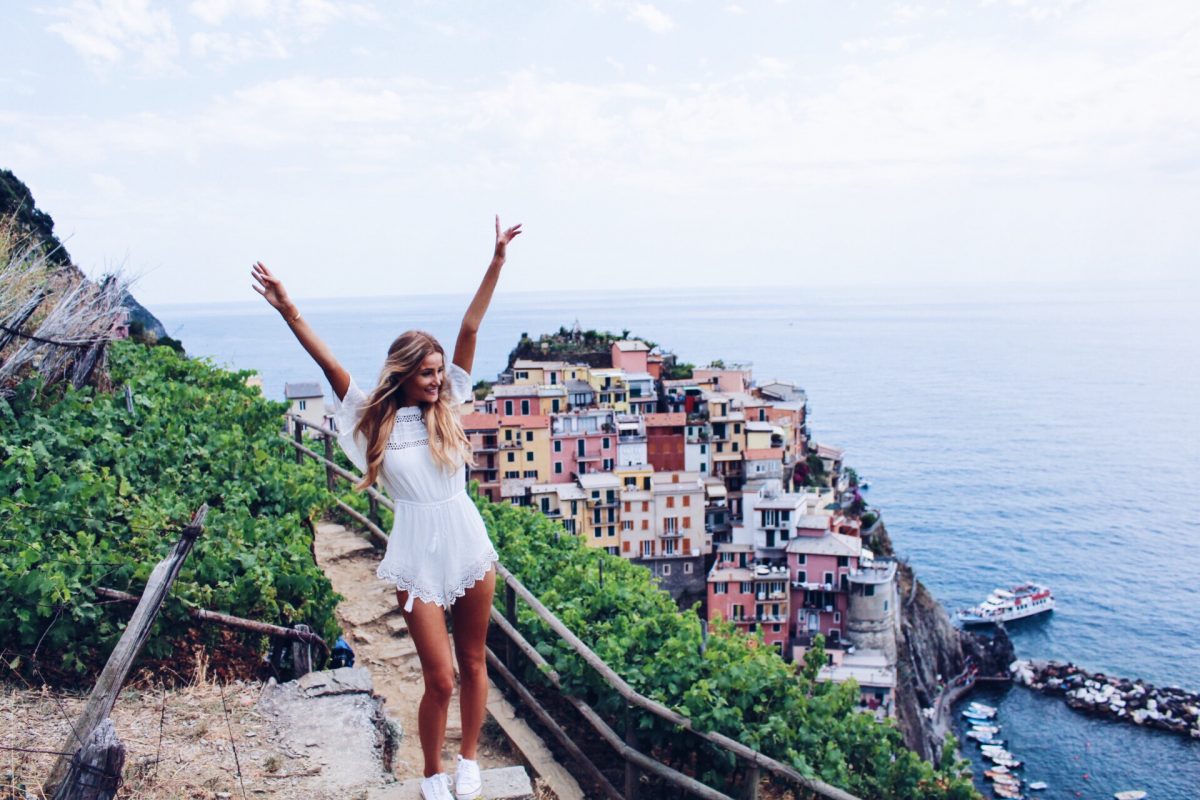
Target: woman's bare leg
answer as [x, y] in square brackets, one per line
[427, 627]
[470, 614]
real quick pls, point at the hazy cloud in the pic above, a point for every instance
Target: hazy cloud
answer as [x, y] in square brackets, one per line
[650, 16]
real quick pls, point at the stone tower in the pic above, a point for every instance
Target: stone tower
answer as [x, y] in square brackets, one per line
[874, 618]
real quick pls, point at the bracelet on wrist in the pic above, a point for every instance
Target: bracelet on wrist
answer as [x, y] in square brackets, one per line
[293, 319]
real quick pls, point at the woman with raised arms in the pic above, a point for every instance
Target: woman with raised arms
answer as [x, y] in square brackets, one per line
[405, 432]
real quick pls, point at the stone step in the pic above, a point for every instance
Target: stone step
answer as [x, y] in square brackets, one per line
[508, 783]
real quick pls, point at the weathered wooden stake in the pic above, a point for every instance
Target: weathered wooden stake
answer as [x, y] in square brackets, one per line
[95, 772]
[510, 613]
[299, 440]
[750, 790]
[373, 510]
[116, 670]
[631, 739]
[128, 399]
[329, 457]
[302, 660]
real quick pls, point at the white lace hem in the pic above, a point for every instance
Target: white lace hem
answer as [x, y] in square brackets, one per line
[406, 582]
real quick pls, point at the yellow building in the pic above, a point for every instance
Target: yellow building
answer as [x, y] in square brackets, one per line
[565, 502]
[634, 476]
[611, 389]
[602, 522]
[552, 399]
[547, 373]
[524, 444]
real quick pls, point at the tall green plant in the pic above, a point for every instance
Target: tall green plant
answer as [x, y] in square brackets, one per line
[92, 494]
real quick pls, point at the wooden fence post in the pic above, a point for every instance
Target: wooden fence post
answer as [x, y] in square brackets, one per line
[302, 661]
[373, 510]
[329, 477]
[750, 790]
[95, 772]
[104, 694]
[510, 613]
[299, 440]
[631, 739]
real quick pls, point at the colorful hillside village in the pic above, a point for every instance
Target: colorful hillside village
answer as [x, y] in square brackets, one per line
[712, 483]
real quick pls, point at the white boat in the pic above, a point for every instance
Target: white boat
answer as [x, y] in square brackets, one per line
[1004, 605]
[1130, 794]
[974, 706]
[1037, 786]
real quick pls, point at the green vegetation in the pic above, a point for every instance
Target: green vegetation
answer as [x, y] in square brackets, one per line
[738, 686]
[678, 371]
[93, 495]
[590, 347]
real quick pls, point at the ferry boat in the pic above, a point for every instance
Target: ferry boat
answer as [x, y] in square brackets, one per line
[1003, 605]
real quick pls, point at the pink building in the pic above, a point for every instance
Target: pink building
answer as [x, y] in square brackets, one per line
[519, 400]
[820, 563]
[630, 355]
[581, 443]
[754, 597]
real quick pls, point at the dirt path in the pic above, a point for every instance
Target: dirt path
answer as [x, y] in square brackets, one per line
[375, 630]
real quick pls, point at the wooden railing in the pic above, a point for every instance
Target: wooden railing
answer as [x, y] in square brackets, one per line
[624, 744]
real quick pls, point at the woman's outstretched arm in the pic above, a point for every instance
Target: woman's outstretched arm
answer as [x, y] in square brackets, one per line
[272, 289]
[464, 348]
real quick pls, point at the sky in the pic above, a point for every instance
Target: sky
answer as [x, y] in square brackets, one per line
[362, 148]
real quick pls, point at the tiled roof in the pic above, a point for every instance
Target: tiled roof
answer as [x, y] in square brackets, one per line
[477, 422]
[302, 391]
[831, 544]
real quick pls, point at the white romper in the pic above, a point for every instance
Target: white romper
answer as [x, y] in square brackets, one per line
[438, 547]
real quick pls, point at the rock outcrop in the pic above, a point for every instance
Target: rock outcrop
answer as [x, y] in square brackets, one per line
[932, 654]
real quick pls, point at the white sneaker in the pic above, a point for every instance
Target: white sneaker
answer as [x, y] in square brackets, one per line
[436, 787]
[467, 783]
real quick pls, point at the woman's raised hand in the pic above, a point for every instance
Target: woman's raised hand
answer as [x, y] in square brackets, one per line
[502, 239]
[270, 287]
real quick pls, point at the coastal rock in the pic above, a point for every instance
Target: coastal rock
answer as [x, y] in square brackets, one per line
[931, 652]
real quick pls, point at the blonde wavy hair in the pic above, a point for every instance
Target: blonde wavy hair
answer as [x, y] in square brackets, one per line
[448, 443]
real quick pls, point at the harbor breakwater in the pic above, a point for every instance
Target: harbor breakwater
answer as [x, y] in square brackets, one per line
[1168, 708]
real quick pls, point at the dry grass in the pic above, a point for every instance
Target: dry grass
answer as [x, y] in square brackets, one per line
[66, 307]
[178, 744]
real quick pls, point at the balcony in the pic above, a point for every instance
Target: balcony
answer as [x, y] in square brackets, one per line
[674, 533]
[589, 457]
[517, 445]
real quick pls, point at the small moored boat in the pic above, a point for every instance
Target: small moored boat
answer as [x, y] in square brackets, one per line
[1130, 794]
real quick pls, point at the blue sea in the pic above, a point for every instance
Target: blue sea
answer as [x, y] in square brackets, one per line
[1006, 434]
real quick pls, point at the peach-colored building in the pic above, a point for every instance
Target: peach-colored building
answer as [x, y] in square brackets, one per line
[483, 430]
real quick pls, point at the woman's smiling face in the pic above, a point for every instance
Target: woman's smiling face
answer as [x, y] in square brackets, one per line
[425, 384]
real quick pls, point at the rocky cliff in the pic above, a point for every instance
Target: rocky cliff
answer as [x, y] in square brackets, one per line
[18, 209]
[932, 652]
